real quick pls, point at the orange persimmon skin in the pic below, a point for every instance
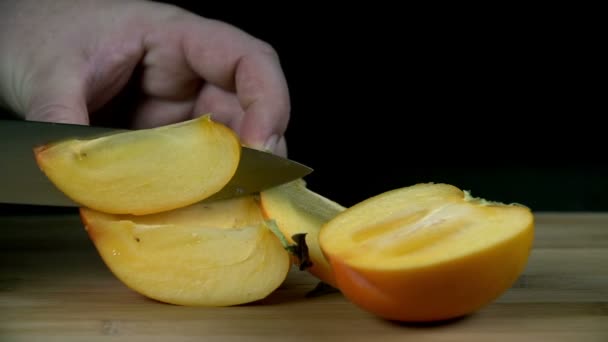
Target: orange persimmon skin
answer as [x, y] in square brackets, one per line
[439, 291]
[323, 273]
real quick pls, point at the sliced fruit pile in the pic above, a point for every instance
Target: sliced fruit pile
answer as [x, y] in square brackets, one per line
[425, 252]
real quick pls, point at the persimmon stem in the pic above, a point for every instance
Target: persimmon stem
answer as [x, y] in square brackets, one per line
[301, 251]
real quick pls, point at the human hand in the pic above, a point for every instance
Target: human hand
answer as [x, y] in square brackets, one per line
[63, 61]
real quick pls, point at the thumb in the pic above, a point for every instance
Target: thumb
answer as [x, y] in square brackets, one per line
[59, 98]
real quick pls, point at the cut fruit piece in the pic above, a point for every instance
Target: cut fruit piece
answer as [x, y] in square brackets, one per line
[144, 171]
[299, 210]
[427, 252]
[208, 254]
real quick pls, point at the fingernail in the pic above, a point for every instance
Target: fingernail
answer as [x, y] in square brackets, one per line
[271, 143]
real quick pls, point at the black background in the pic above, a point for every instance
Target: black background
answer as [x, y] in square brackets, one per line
[499, 101]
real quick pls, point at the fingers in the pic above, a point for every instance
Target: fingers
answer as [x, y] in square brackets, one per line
[281, 147]
[225, 108]
[235, 61]
[154, 112]
[263, 94]
[58, 96]
[223, 105]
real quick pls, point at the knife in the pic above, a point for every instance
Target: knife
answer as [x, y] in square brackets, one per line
[22, 181]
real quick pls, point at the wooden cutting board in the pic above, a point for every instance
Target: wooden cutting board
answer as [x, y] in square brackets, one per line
[54, 287]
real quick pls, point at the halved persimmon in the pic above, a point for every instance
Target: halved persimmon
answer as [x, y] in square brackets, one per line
[427, 252]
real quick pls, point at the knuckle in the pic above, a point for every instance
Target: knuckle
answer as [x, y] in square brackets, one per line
[52, 112]
[267, 49]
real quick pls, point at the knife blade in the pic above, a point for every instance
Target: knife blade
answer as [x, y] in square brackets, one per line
[22, 181]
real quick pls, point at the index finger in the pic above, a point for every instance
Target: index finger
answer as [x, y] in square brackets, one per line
[234, 60]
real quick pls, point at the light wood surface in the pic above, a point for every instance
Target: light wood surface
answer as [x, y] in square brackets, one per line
[54, 287]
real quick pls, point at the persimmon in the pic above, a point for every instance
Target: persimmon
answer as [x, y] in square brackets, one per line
[144, 171]
[208, 254]
[427, 252]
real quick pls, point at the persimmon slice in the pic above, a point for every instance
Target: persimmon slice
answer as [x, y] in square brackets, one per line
[299, 210]
[144, 171]
[209, 254]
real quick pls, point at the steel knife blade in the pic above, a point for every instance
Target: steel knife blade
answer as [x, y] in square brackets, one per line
[22, 181]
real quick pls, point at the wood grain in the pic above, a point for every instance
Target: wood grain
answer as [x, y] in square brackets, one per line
[54, 287]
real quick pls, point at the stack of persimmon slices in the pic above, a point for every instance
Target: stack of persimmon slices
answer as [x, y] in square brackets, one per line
[425, 252]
